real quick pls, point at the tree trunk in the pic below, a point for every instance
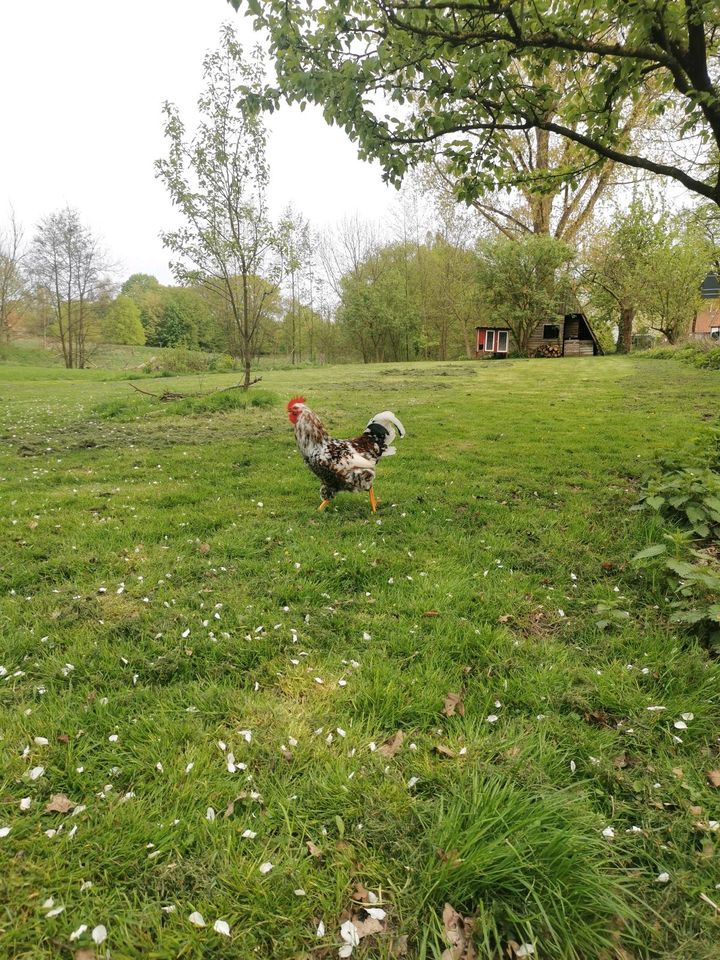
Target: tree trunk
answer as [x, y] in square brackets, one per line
[625, 329]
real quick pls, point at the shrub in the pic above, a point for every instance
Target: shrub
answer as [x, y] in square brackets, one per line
[704, 353]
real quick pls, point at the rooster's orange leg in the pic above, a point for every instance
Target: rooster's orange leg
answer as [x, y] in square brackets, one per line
[323, 505]
[373, 501]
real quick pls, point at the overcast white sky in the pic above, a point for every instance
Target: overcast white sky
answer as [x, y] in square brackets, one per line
[81, 87]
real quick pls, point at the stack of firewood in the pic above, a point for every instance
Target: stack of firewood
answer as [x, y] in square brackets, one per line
[549, 350]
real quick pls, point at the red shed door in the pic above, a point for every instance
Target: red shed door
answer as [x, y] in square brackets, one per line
[480, 340]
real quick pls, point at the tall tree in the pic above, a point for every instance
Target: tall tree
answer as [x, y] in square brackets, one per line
[524, 283]
[675, 268]
[464, 74]
[217, 179]
[121, 323]
[617, 268]
[68, 263]
[296, 250]
[12, 284]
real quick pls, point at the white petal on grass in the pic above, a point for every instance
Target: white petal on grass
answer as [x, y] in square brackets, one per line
[99, 934]
[299, 892]
[320, 932]
[246, 735]
[662, 878]
[680, 725]
[79, 932]
[4, 831]
[47, 904]
[573, 766]
[348, 932]
[655, 708]
[85, 885]
[36, 773]
[688, 716]
[169, 909]
[248, 834]
[492, 718]
[412, 781]
[210, 815]
[525, 950]
[222, 926]
[377, 913]
[609, 832]
[113, 738]
[196, 919]
[189, 767]
[265, 867]
[55, 912]
[25, 803]
[345, 951]
[40, 741]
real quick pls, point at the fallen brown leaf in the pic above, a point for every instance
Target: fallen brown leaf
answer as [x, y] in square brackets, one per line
[360, 894]
[287, 754]
[695, 811]
[84, 954]
[713, 778]
[204, 548]
[453, 704]
[392, 746]
[431, 613]
[399, 946]
[443, 751]
[504, 617]
[458, 933]
[230, 809]
[367, 926]
[59, 803]
[313, 850]
[63, 738]
[677, 771]
[449, 856]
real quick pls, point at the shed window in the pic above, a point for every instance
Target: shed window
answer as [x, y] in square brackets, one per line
[715, 333]
[551, 331]
[502, 341]
[489, 341]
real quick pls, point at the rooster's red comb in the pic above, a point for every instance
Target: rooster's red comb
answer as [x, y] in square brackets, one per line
[295, 400]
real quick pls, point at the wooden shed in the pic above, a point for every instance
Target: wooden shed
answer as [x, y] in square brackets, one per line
[570, 335]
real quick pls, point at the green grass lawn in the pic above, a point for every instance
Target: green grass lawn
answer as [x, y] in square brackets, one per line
[216, 674]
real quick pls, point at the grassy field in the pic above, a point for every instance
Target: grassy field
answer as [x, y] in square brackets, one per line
[216, 675]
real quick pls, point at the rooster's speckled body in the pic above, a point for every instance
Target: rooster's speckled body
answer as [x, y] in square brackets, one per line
[343, 464]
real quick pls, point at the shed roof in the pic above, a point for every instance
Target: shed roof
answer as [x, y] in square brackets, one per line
[710, 287]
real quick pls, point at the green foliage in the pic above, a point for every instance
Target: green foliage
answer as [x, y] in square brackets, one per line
[176, 327]
[703, 354]
[122, 324]
[687, 495]
[409, 82]
[524, 283]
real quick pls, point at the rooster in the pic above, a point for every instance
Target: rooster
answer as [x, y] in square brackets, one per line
[343, 464]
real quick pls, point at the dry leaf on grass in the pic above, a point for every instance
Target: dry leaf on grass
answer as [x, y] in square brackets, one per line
[360, 894]
[84, 954]
[443, 751]
[392, 746]
[431, 613]
[367, 926]
[449, 856]
[312, 849]
[458, 933]
[453, 704]
[399, 946]
[713, 778]
[59, 803]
